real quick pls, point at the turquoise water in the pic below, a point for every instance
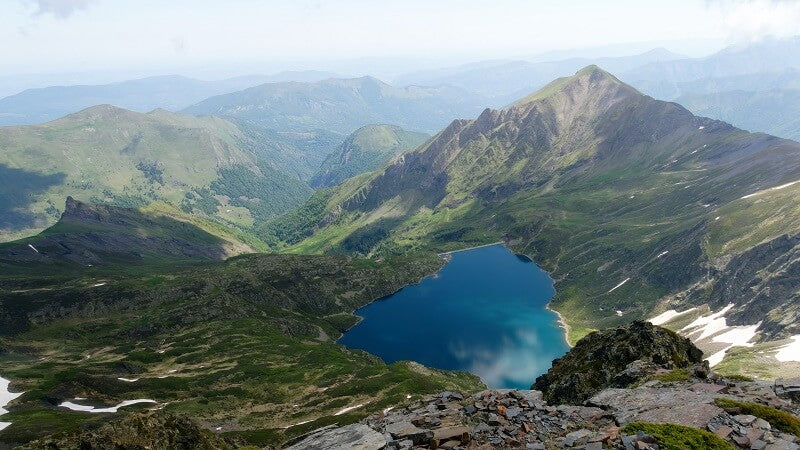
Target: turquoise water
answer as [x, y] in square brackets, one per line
[484, 312]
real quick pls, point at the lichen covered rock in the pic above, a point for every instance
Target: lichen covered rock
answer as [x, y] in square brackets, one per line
[616, 357]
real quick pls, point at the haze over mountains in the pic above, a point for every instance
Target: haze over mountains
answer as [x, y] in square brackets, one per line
[170, 92]
[203, 245]
[342, 105]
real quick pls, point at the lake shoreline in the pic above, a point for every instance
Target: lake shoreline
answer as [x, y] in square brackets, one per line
[493, 289]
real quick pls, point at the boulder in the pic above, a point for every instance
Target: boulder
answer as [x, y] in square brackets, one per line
[356, 436]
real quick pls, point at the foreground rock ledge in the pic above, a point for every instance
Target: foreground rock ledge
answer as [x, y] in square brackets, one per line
[522, 419]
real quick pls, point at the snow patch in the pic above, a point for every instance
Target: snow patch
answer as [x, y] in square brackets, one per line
[708, 325]
[715, 326]
[111, 409]
[348, 409]
[783, 186]
[128, 380]
[99, 284]
[662, 253]
[33, 248]
[619, 313]
[789, 352]
[619, 285]
[666, 316]
[287, 426]
[5, 398]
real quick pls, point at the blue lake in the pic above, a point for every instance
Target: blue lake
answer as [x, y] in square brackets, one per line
[484, 312]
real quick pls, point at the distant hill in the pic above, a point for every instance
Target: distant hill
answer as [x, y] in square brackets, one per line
[775, 111]
[342, 105]
[90, 235]
[365, 150]
[634, 206]
[206, 166]
[505, 81]
[769, 55]
[171, 92]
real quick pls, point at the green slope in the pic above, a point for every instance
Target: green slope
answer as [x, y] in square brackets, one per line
[342, 105]
[365, 150]
[612, 192]
[245, 346]
[774, 111]
[206, 166]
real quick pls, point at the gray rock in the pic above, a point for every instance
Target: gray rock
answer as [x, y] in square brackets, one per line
[659, 405]
[407, 430]
[577, 437]
[355, 436]
[744, 419]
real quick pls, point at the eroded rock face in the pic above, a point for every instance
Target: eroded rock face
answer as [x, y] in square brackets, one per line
[356, 437]
[616, 357]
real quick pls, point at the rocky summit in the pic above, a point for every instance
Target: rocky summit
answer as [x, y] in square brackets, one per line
[673, 415]
[634, 387]
[616, 357]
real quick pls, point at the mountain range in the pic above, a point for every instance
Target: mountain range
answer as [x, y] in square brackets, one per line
[206, 166]
[147, 284]
[634, 206]
[342, 105]
[170, 92]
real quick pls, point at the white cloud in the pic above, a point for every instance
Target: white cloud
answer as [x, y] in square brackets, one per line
[752, 20]
[60, 8]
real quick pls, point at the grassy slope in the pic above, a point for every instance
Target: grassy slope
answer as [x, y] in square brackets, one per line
[107, 154]
[342, 105]
[365, 150]
[590, 217]
[250, 341]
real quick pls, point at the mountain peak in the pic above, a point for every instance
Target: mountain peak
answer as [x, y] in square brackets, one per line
[100, 112]
[590, 78]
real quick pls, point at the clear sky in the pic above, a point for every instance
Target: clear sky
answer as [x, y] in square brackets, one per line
[41, 36]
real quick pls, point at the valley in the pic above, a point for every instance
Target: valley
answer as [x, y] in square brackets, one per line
[580, 249]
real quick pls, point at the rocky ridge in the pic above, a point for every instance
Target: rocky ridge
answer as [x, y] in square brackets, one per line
[606, 392]
[522, 419]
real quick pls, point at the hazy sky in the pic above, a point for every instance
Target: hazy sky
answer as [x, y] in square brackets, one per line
[40, 36]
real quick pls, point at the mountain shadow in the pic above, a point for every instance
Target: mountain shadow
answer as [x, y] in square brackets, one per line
[20, 187]
[90, 234]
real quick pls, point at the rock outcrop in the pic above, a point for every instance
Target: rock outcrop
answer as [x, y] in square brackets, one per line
[138, 432]
[494, 419]
[616, 357]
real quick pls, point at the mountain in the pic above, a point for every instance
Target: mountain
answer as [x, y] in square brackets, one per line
[170, 92]
[787, 79]
[634, 205]
[504, 81]
[766, 56]
[205, 166]
[89, 235]
[774, 111]
[342, 105]
[365, 150]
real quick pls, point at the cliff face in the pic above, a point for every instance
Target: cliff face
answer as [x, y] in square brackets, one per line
[616, 358]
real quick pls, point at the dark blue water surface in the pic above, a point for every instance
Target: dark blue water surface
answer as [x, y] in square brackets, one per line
[484, 312]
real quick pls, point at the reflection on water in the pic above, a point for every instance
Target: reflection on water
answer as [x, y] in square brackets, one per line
[485, 312]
